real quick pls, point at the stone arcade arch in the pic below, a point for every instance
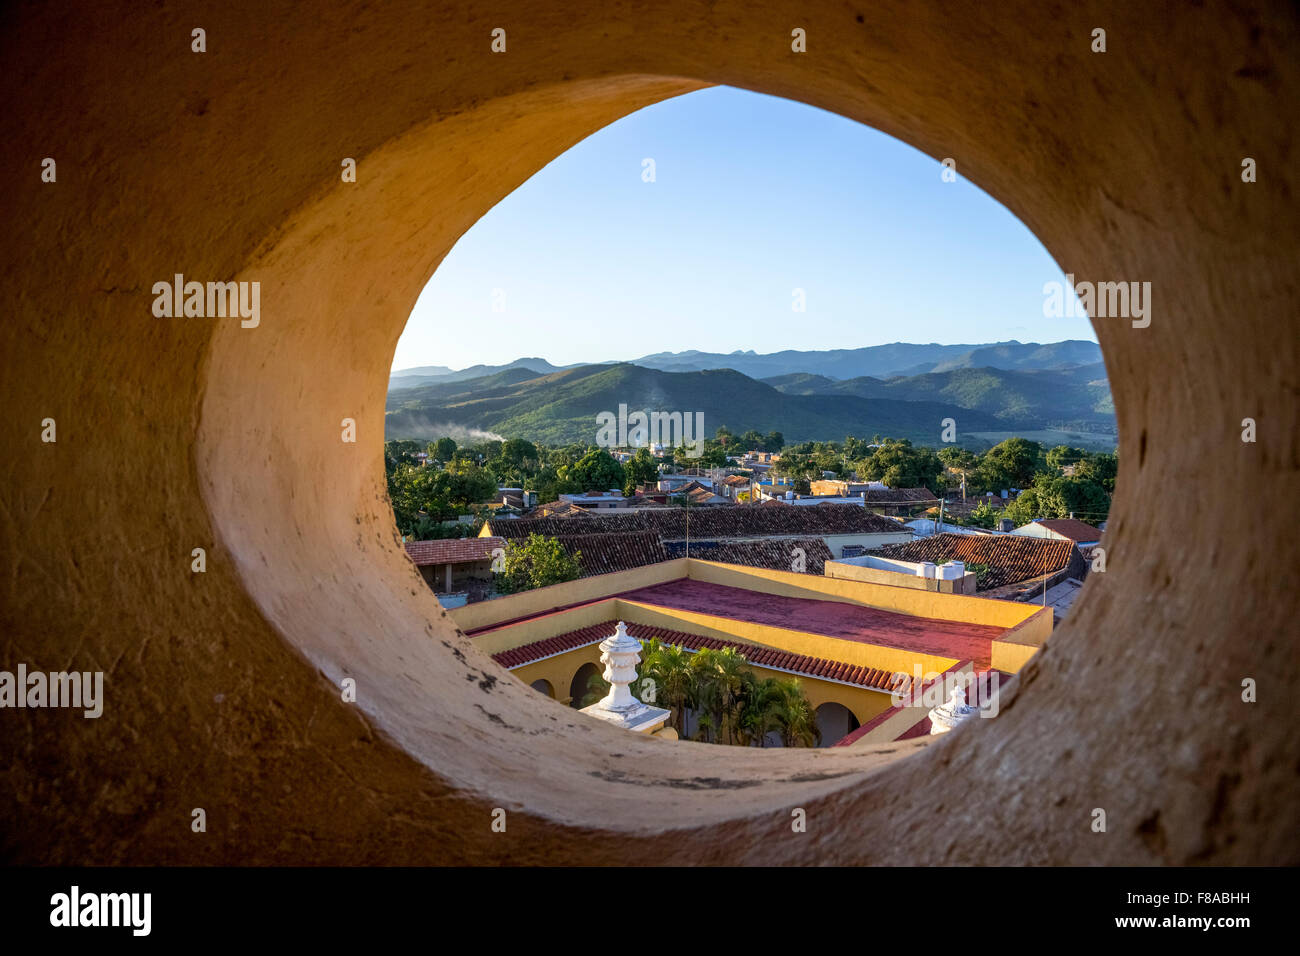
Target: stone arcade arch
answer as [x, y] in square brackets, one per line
[183, 433]
[834, 720]
[578, 685]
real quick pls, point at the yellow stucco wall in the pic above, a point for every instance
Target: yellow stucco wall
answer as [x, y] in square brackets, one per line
[547, 625]
[487, 613]
[942, 607]
[560, 671]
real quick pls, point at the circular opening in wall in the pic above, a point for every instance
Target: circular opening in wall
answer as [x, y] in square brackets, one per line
[302, 412]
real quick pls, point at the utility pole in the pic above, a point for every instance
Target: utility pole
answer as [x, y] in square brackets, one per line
[688, 525]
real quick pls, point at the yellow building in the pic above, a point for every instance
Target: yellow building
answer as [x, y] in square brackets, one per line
[857, 648]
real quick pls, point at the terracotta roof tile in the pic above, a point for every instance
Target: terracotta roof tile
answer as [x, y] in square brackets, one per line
[712, 523]
[1010, 557]
[607, 553]
[776, 555]
[758, 656]
[452, 550]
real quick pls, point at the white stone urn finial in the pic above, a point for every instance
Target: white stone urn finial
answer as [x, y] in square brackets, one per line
[947, 716]
[620, 653]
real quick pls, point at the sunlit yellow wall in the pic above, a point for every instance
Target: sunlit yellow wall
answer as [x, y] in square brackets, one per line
[560, 670]
[547, 625]
[509, 607]
[942, 607]
[1014, 648]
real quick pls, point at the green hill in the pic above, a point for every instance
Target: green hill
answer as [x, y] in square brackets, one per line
[562, 406]
[1036, 398]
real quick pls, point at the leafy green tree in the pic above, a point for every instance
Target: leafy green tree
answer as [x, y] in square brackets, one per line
[962, 461]
[443, 450]
[984, 515]
[899, 465]
[518, 453]
[1101, 468]
[1082, 497]
[773, 442]
[537, 563]
[470, 484]
[1062, 455]
[795, 465]
[1010, 464]
[417, 493]
[855, 448]
[1024, 508]
[401, 451]
[641, 469]
[597, 470]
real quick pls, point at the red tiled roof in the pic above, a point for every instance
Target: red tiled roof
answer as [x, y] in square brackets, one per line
[1010, 557]
[900, 495]
[874, 678]
[452, 550]
[722, 522]
[606, 553]
[762, 553]
[557, 509]
[1071, 528]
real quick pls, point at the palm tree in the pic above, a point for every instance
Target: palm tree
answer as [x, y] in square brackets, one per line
[758, 710]
[720, 679]
[796, 720]
[669, 666]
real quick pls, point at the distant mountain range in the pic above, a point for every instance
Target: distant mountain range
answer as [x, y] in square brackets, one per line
[1032, 397]
[988, 389]
[882, 361]
[878, 361]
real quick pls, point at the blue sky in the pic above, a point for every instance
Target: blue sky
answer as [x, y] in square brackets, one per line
[754, 196]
